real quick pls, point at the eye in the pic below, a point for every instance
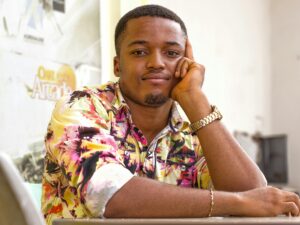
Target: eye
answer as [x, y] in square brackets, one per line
[139, 52]
[173, 54]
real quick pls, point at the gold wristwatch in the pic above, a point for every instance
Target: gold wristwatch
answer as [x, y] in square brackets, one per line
[214, 115]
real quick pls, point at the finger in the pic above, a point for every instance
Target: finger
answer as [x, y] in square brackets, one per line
[178, 67]
[184, 68]
[290, 208]
[189, 50]
[298, 205]
[291, 197]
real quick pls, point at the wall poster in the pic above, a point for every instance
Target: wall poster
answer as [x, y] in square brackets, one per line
[48, 48]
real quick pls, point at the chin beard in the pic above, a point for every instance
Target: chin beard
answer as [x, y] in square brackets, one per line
[155, 100]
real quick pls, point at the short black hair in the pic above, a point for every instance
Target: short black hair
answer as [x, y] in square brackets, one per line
[145, 10]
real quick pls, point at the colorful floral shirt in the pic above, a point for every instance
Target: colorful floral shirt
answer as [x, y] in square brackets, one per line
[93, 128]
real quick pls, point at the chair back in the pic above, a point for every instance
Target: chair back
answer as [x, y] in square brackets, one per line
[17, 206]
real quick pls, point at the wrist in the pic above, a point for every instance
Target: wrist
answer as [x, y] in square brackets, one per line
[227, 204]
[182, 96]
[195, 104]
[214, 115]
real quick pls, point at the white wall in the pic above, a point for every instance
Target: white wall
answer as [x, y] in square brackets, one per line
[286, 79]
[109, 16]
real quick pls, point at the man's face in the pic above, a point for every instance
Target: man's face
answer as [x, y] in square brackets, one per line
[150, 49]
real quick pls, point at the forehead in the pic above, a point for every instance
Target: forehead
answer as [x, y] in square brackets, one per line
[153, 29]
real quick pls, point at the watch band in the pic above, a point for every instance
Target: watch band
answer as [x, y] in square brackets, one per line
[214, 115]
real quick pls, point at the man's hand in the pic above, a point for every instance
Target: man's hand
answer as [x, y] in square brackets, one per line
[189, 73]
[268, 201]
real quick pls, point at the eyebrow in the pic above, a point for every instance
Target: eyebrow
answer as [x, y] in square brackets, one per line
[137, 42]
[174, 43]
[143, 42]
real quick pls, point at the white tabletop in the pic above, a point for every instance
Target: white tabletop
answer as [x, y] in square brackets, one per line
[186, 221]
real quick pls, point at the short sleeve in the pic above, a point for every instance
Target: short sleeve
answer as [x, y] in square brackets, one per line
[105, 182]
[78, 143]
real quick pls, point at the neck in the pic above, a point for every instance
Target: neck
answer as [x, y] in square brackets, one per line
[150, 120]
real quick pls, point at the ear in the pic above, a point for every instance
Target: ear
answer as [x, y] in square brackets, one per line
[117, 66]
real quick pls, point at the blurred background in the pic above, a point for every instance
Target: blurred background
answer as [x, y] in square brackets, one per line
[250, 48]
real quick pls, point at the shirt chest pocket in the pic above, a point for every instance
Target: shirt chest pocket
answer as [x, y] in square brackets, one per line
[181, 170]
[129, 156]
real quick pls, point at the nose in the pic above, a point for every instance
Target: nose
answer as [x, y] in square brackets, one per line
[155, 60]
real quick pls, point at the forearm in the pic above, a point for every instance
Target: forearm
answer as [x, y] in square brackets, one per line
[146, 198]
[230, 167]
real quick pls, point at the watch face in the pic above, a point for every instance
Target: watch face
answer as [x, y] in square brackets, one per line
[214, 115]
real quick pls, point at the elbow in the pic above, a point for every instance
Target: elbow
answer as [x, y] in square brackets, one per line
[256, 182]
[262, 181]
[238, 185]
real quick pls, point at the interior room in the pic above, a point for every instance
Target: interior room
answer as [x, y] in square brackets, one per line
[250, 49]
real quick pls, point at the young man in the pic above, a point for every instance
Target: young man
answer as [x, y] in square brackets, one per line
[123, 150]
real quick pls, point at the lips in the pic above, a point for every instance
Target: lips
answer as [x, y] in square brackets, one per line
[156, 76]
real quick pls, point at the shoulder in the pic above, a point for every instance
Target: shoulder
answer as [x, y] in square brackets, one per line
[87, 96]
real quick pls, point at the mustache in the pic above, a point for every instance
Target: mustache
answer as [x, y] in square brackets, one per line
[156, 74]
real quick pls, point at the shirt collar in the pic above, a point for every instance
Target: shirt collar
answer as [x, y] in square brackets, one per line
[118, 102]
[178, 120]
